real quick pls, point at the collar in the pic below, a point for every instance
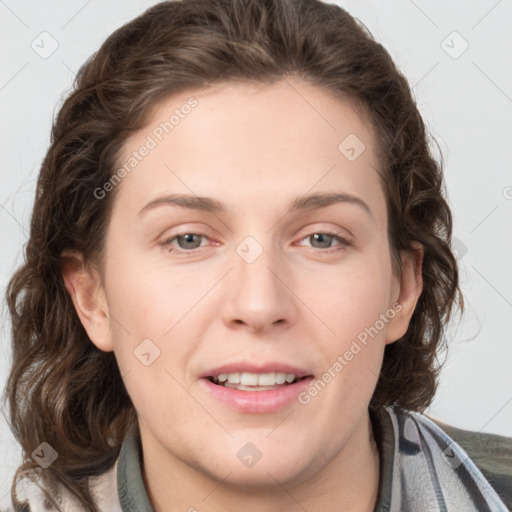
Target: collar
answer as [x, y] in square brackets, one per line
[421, 468]
[130, 484]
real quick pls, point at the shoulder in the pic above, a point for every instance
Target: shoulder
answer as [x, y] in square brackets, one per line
[424, 461]
[491, 453]
[103, 489]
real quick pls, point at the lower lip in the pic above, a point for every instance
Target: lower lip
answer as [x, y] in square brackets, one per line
[258, 401]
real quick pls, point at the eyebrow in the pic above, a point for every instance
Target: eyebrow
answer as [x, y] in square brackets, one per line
[208, 204]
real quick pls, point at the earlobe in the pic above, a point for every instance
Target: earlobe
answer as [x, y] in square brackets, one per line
[410, 288]
[88, 296]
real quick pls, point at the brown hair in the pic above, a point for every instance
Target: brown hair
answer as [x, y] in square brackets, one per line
[63, 390]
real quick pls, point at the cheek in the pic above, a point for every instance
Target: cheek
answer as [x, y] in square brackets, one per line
[350, 299]
[353, 308]
[152, 338]
[159, 304]
[150, 298]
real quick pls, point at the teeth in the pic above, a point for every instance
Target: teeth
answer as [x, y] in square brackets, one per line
[280, 378]
[267, 379]
[249, 379]
[256, 379]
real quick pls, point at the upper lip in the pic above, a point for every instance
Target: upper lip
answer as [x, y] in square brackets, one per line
[248, 367]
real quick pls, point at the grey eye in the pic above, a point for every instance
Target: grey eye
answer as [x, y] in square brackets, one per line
[323, 240]
[189, 242]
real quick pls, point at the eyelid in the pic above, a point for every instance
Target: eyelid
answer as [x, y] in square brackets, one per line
[336, 231]
[185, 229]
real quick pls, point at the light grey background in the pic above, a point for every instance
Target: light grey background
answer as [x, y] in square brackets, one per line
[464, 96]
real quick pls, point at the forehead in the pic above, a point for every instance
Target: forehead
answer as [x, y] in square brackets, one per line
[248, 143]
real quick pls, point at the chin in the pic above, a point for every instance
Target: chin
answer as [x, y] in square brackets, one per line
[267, 473]
[266, 478]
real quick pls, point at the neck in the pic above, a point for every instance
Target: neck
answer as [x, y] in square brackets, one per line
[350, 480]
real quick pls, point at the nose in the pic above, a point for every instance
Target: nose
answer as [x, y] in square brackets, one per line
[259, 295]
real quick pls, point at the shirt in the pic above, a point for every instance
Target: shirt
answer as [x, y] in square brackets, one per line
[425, 466]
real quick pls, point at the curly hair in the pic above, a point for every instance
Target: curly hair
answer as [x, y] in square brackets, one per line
[62, 389]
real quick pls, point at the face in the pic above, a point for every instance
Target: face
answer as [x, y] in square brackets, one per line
[273, 278]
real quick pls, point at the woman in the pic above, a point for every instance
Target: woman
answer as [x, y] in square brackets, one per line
[183, 343]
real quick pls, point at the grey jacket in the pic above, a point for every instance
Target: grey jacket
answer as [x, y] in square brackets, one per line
[425, 466]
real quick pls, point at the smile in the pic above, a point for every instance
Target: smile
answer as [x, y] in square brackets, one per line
[246, 381]
[257, 393]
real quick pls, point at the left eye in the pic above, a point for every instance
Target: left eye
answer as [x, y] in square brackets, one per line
[325, 240]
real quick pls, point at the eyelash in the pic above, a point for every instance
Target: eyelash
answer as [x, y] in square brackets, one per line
[343, 242]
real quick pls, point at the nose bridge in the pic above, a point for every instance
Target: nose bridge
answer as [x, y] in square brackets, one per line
[258, 296]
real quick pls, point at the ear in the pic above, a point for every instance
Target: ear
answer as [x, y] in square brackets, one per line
[84, 285]
[409, 288]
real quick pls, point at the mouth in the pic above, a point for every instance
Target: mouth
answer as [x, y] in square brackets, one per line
[258, 393]
[246, 381]
[256, 386]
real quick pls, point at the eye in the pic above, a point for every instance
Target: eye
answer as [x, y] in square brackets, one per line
[187, 242]
[323, 240]
[190, 242]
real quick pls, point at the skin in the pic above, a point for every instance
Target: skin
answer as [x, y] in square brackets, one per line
[255, 148]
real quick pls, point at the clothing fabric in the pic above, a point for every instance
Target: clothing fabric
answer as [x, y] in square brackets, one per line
[425, 466]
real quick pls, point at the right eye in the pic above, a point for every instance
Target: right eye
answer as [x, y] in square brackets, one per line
[187, 242]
